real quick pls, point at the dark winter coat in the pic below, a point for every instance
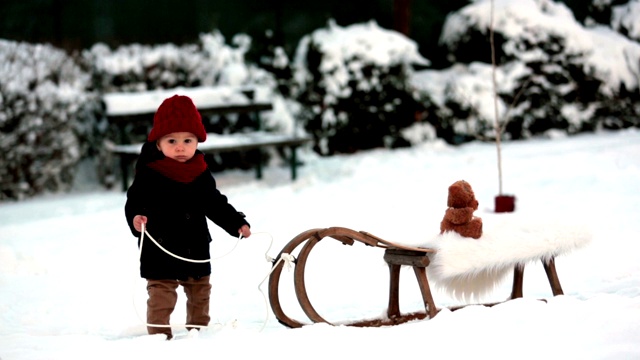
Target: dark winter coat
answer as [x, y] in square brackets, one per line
[177, 218]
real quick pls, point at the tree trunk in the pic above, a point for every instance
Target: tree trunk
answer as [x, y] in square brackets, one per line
[402, 16]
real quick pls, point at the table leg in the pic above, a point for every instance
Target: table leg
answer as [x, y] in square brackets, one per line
[427, 298]
[293, 162]
[259, 165]
[394, 285]
[552, 275]
[518, 278]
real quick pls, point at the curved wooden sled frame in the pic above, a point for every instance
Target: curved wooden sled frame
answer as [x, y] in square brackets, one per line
[395, 256]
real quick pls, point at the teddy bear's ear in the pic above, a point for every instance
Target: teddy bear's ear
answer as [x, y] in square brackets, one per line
[457, 186]
[455, 192]
[474, 204]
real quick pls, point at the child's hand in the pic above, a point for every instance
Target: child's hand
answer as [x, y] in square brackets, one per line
[138, 220]
[245, 231]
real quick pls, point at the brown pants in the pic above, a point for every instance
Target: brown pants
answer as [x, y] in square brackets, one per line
[163, 297]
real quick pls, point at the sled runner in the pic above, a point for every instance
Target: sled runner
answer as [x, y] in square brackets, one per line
[395, 255]
[489, 260]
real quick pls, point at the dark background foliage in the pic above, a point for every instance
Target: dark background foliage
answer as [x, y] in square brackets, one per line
[78, 24]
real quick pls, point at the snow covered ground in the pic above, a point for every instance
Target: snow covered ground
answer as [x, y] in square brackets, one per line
[69, 285]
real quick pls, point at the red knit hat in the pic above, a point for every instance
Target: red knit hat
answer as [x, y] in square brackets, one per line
[177, 114]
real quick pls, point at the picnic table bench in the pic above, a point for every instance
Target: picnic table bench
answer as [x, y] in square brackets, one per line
[122, 108]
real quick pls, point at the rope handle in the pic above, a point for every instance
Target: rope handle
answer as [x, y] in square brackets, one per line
[144, 231]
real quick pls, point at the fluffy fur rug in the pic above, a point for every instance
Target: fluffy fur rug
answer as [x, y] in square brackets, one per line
[468, 268]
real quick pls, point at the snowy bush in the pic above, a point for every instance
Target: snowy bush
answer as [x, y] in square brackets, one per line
[555, 73]
[136, 67]
[620, 15]
[624, 19]
[353, 83]
[271, 56]
[461, 101]
[45, 119]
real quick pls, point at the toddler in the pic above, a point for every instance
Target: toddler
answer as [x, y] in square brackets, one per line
[173, 194]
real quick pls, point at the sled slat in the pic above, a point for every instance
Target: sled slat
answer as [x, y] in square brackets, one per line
[406, 257]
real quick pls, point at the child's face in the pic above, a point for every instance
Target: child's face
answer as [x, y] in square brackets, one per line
[179, 146]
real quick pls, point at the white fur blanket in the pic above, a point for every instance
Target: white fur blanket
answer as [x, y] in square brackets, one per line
[467, 268]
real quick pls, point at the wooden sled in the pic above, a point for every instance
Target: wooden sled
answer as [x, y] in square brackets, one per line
[395, 255]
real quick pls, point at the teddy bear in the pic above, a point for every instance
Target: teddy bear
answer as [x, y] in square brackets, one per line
[459, 215]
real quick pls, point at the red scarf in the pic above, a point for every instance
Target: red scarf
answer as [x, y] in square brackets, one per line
[184, 172]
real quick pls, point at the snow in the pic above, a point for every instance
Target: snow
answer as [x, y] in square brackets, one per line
[607, 53]
[346, 51]
[69, 285]
[204, 97]
[610, 44]
[624, 16]
[227, 142]
[368, 42]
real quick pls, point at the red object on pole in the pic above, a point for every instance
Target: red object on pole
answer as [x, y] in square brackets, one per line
[505, 203]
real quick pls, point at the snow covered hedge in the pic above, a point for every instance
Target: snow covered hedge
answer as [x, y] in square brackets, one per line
[137, 67]
[353, 85]
[620, 15]
[42, 97]
[553, 73]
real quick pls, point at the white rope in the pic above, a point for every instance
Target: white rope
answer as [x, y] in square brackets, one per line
[144, 231]
[287, 258]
